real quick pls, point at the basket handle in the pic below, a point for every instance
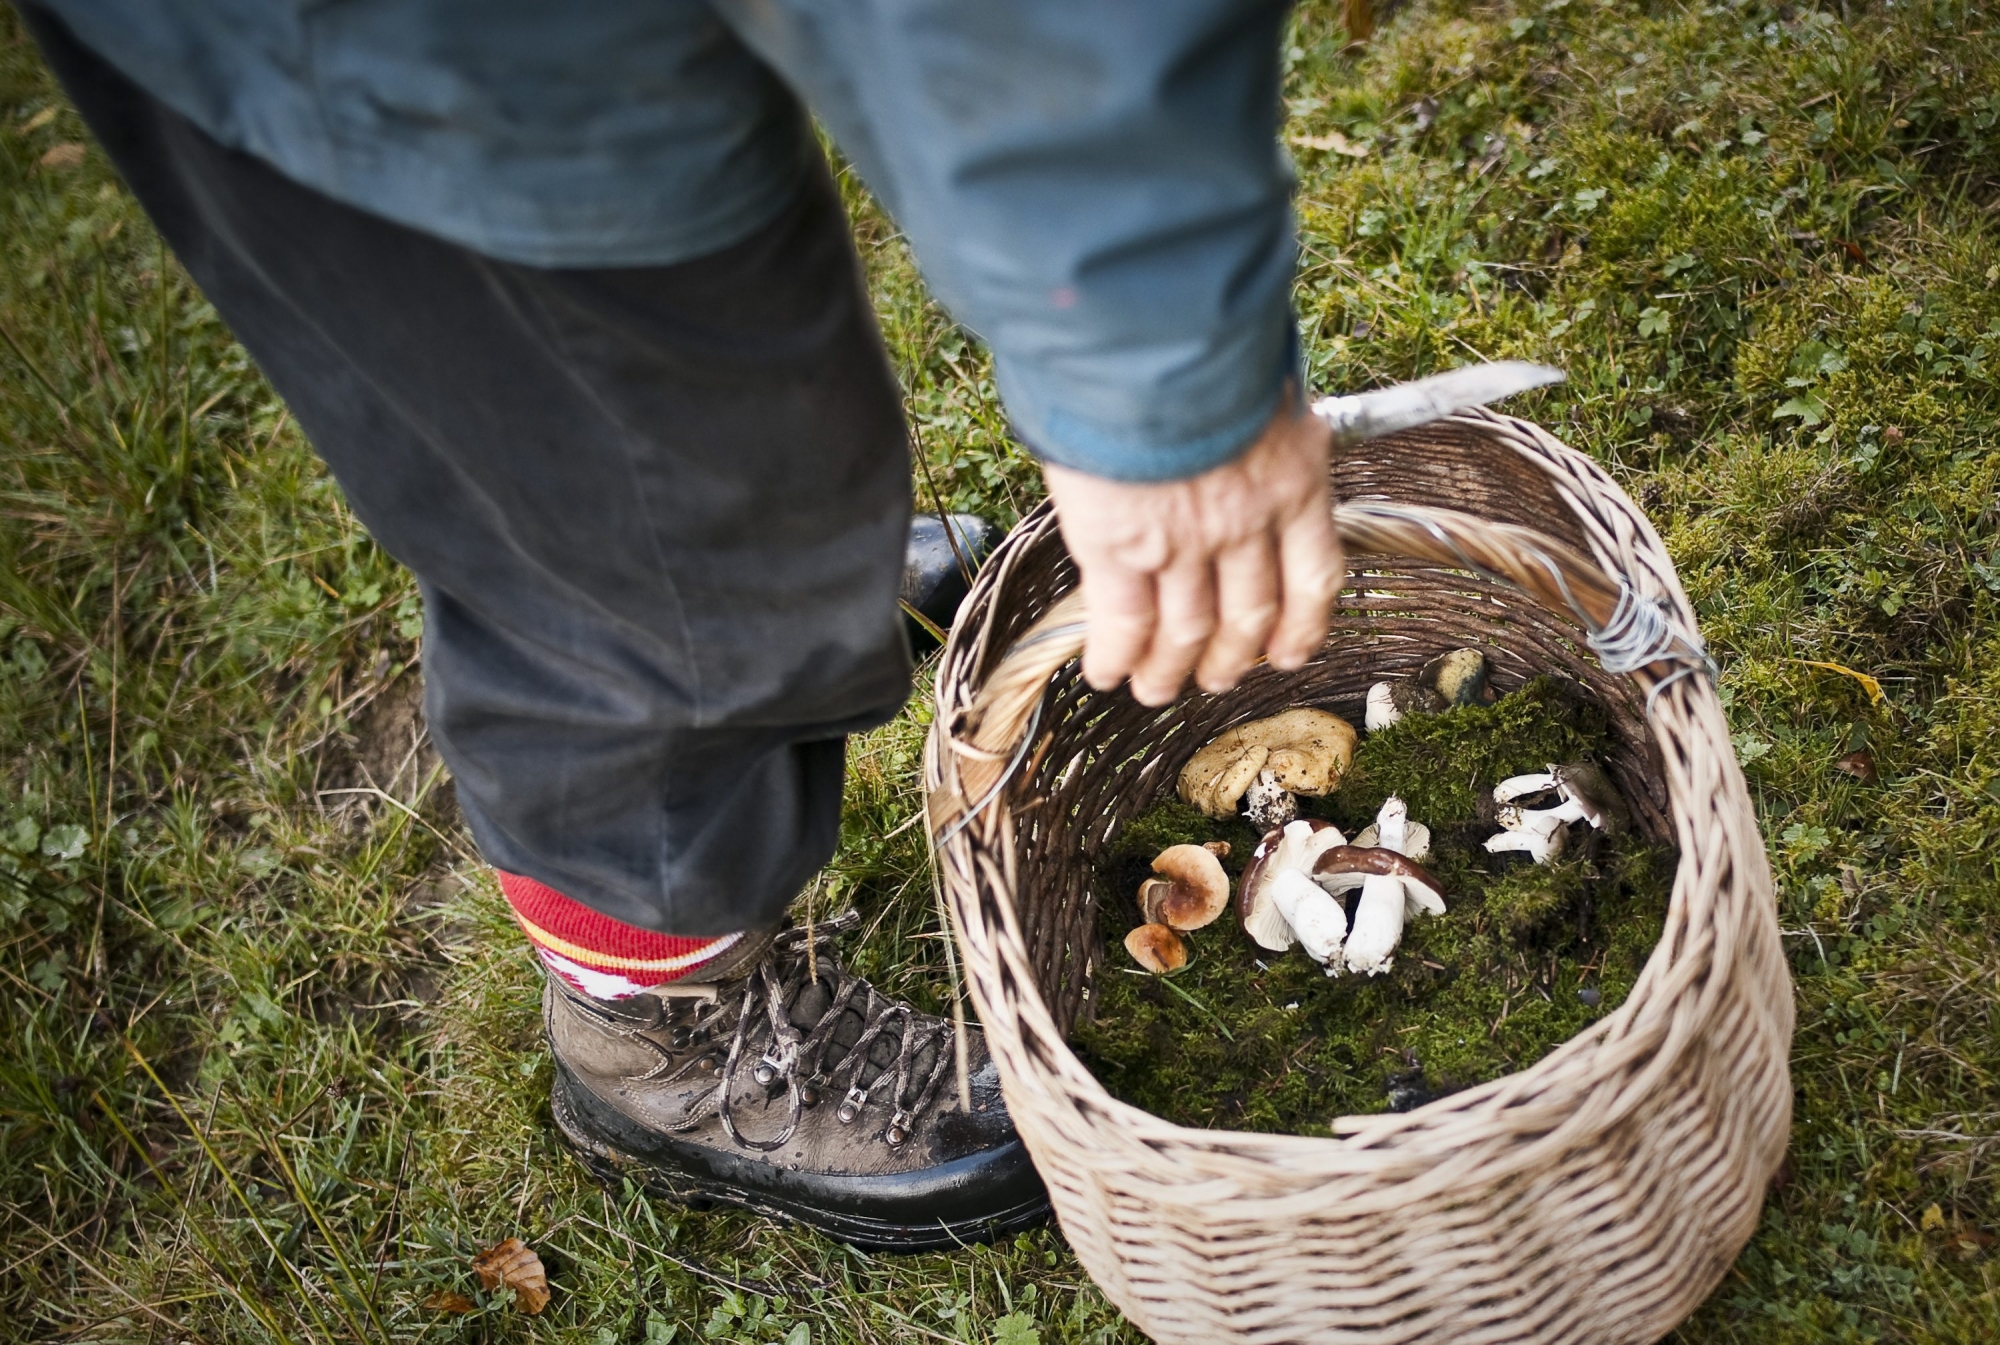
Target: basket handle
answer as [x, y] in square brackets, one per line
[1630, 634]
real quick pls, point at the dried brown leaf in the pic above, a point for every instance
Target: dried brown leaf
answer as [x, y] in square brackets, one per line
[66, 155]
[1860, 765]
[513, 1264]
[450, 1300]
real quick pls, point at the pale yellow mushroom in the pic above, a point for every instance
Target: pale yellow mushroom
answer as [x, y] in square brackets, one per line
[1305, 750]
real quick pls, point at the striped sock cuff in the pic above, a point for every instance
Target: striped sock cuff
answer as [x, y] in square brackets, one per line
[599, 956]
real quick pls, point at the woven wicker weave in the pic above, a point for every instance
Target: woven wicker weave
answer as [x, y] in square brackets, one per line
[1597, 1196]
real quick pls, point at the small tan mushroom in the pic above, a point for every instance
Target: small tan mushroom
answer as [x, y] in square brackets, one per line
[1305, 750]
[1157, 949]
[1190, 890]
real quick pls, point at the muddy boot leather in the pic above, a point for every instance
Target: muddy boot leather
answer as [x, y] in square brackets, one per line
[813, 1100]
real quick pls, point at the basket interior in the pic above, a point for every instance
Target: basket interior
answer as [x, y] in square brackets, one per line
[1102, 758]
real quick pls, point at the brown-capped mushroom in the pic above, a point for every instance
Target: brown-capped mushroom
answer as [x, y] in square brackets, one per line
[1355, 863]
[1305, 750]
[1297, 847]
[1189, 891]
[1317, 920]
[1459, 677]
[1386, 900]
[1157, 949]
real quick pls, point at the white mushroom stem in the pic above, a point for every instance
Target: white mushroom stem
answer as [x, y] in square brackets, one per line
[1392, 824]
[1378, 926]
[1382, 711]
[1317, 919]
[1268, 803]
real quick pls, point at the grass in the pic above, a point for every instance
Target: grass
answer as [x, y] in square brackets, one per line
[270, 1071]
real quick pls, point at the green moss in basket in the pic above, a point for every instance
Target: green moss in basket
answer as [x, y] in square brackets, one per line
[1526, 957]
[1440, 764]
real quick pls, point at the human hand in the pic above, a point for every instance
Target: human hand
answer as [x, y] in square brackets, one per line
[1209, 573]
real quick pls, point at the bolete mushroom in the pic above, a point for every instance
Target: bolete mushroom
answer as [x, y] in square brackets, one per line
[1156, 948]
[1305, 750]
[1189, 889]
[1296, 848]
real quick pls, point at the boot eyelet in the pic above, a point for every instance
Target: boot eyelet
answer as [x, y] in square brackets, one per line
[900, 1126]
[851, 1105]
[809, 1094]
[680, 1037]
[777, 1063]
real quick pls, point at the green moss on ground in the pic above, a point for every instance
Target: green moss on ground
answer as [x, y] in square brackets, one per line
[1525, 957]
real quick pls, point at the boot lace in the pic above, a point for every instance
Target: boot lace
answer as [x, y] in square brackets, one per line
[797, 1058]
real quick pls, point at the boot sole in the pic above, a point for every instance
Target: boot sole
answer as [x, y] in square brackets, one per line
[616, 1150]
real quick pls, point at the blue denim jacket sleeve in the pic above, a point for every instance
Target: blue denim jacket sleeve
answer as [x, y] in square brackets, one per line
[1094, 186]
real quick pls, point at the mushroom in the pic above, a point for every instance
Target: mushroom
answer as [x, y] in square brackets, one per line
[1190, 890]
[1305, 750]
[1583, 794]
[1586, 786]
[1316, 918]
[1267, 803]
[1416, 840]
[1296, 848]
[1388, 702]
[1458, 678]
[1156, 948]
[1346, 867]
[1387, 898]
[1540, 832]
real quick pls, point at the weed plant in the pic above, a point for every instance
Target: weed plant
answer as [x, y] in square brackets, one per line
[271, 1070]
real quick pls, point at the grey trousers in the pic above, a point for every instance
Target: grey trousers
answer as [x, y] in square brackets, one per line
[657, 515]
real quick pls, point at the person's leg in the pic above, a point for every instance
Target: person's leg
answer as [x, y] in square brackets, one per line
[658, 514]
[658, 517]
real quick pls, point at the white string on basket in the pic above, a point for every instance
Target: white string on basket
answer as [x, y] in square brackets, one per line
[1641, 633]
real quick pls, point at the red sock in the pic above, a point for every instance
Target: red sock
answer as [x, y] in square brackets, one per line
[602, 957]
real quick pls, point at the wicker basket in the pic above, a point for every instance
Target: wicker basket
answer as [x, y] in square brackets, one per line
[1597, 1196]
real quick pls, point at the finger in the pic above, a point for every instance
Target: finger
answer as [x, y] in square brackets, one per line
[1312, 568]
[1187, 619]
[1247, 585]
[1122, 616]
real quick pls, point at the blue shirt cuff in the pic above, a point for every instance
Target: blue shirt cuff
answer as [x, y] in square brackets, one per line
[1156, 452]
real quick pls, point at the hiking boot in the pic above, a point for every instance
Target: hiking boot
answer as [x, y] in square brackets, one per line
[797, 1091]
